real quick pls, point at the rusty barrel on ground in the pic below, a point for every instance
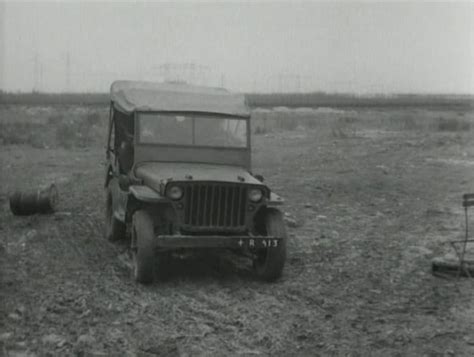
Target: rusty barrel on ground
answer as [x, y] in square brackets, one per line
[43, 200]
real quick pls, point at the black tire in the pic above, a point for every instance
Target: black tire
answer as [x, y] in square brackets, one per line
[114, 230]
[269, 262]
[142, 247]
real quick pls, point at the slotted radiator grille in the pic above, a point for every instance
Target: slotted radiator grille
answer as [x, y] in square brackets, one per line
[214, 206]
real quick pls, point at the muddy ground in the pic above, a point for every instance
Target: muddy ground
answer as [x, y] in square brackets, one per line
[372, 207]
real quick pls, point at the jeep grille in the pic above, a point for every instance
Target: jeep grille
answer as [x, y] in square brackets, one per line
[214, 206]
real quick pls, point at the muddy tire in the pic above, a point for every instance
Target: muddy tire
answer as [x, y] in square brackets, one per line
[142, 250]
[269, 262]
[114, 229]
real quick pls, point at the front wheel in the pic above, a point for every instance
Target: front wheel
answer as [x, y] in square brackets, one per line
[142, 247]
[269, 262]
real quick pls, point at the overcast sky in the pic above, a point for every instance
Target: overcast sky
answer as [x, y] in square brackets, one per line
[346, 47]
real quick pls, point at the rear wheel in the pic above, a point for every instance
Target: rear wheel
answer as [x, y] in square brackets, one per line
[114, 229]
[269, 262]
[142, 247]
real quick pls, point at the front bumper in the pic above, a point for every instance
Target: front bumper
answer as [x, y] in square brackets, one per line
[217, 241]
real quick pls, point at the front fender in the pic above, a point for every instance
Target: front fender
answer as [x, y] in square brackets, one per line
[140, 196]
[275, 200]
[146, 194]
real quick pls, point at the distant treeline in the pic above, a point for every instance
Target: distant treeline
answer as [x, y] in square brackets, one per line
[291, 100]
[38, 98]
[321, 99]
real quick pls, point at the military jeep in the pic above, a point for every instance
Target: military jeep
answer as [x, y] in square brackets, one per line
[179, 178]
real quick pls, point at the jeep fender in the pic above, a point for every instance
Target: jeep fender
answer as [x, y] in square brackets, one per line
[146, 194]
[275, 200]
[139, 196]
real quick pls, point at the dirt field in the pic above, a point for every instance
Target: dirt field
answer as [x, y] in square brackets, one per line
[375, 195]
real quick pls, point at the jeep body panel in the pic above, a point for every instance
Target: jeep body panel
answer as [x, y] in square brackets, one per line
[183, 154]
[157, 174]
[146, 194]
[275, 200]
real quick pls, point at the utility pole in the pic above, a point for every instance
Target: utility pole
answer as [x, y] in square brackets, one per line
[36, 73]
[222, 84]
[40, 77]
[298, 83]
[68, 72]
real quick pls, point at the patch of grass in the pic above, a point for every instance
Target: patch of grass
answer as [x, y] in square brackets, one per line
[66, 127]
[65, 135]
[259, 130]
[22, 133]
[288, 123]
[453, 124]
[311, 123]
[409, 123]
[339, 133]
[55, 119]
[341, 129]
[79, 133]
[93, 118]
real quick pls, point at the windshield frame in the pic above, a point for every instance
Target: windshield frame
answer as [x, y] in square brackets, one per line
[215, 116]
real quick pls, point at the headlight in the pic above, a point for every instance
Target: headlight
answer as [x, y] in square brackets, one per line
[255, 194]
[175, 192]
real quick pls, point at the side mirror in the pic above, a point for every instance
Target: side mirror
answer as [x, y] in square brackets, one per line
[259, 177]
[124, 182]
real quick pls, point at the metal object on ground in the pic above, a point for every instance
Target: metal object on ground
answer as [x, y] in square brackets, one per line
[450, 266]
[460, 266]
[42, 201]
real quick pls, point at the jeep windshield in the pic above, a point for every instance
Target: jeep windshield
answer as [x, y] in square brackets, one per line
[192, 130]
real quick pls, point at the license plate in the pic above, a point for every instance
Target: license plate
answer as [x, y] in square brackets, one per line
[258, 243]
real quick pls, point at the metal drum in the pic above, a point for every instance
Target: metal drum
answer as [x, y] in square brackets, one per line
[42, 201]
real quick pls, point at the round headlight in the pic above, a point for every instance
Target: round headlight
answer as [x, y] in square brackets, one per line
[255, 194]
[175, 192]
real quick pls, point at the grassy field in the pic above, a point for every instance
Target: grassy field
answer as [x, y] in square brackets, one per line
[372, 195]
[85, 126]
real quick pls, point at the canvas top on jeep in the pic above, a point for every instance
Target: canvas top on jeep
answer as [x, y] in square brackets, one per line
[132, 96]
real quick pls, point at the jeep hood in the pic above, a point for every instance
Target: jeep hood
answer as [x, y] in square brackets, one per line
[156, 174]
